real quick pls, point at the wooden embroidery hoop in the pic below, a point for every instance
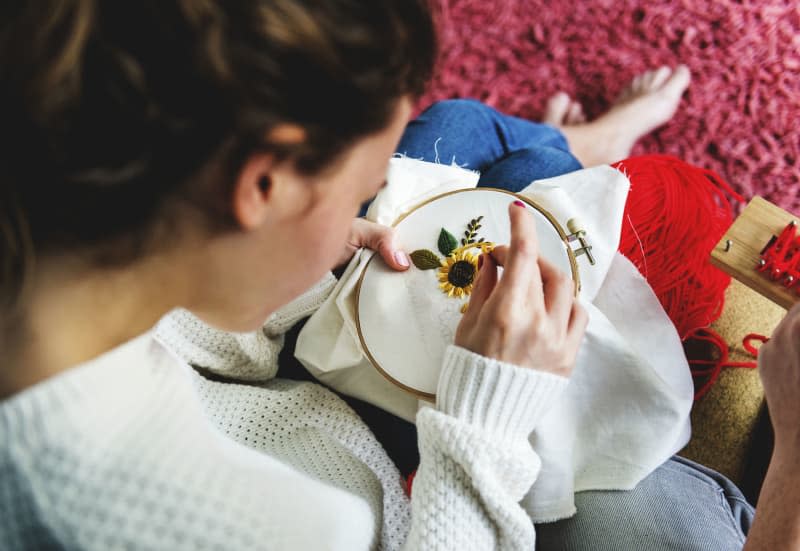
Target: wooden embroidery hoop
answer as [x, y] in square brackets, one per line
[549, 217]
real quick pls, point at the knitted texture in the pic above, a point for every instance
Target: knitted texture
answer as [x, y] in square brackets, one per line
[310, 428]
[137, 450]
[479, 400]
[118, 454]
[242, 356]
[738, 117]
[306, 304]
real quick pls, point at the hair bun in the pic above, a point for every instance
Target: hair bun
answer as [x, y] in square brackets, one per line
[47, 71]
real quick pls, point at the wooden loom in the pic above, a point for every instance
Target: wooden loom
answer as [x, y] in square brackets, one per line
[762, 250]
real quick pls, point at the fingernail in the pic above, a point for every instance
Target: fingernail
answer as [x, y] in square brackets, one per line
[519, 204]
[480, 262]
[401, 258]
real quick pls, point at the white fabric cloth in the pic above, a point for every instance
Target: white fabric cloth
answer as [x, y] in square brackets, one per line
[627, 406]
[137, 450]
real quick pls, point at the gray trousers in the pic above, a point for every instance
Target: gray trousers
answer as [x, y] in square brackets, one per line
[681, 506]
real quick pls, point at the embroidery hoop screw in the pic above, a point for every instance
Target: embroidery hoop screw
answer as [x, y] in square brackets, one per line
[577, 233]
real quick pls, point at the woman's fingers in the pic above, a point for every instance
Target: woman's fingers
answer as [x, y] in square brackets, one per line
[558, 288]
[578, 320]
[522, 282]
[576, 328]
[484, 285]
[529, 317]
[559, 292]
[527, 274]
[500, 255]
[380, 238]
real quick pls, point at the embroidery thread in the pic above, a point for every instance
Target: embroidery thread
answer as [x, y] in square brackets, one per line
[472, 228]
[457, 271]
[425, 259]
[457, 274]
[447, 242]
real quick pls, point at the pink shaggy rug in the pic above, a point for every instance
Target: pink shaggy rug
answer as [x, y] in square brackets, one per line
[740, 117]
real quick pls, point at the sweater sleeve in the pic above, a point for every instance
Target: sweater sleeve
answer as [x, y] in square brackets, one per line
[476, 463]
[243, 356]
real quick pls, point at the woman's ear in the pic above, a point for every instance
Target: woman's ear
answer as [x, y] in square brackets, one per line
[254, 193]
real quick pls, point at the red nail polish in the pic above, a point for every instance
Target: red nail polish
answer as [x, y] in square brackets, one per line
[519, 204]
[480, 261]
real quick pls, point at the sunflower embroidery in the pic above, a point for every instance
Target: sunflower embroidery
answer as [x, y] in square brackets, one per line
[456, 272]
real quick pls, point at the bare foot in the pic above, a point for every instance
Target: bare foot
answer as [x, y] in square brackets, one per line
[649, 101]
[562, 111]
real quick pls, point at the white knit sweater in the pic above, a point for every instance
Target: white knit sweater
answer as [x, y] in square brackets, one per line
[136, 450]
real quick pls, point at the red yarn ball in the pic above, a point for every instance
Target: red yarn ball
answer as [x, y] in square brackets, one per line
[674, 216]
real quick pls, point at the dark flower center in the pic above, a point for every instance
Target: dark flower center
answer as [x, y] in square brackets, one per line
[461, 273]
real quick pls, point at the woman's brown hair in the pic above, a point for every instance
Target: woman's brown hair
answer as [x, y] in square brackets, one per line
[109, 108]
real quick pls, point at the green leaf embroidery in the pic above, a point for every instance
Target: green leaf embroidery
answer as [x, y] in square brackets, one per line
[472, 228]
[425, 259]
[447, 243]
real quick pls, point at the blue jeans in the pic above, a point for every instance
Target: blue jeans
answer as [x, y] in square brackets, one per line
[682, 505]
[508, 152]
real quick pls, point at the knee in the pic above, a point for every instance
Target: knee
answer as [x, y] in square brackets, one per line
[547, 161]
[457, 109]
[516, 171]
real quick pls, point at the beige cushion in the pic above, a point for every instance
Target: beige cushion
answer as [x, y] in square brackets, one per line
[723, 421]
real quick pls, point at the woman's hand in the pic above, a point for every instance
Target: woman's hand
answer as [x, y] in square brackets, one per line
[779, 367]
[777, 522]
[530, 317]
[377, 237]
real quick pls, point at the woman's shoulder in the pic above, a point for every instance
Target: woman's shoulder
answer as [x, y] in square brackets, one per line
[120, 454]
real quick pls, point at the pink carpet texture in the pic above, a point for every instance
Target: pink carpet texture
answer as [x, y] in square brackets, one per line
[740, 116]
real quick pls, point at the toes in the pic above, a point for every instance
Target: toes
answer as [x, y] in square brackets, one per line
[659, 77]
[646, 80]
[628, 92]
[575, 114]
[635, 88]
[664, 79]
[639, 82]
[556, 110]
[678, 81]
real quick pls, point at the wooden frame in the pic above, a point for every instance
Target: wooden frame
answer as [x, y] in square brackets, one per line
[739, 250]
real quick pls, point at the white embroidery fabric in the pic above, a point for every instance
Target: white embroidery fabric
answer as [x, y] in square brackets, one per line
[626, 409]
[406, 321]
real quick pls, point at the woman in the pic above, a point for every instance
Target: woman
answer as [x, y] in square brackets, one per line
[211, 156]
